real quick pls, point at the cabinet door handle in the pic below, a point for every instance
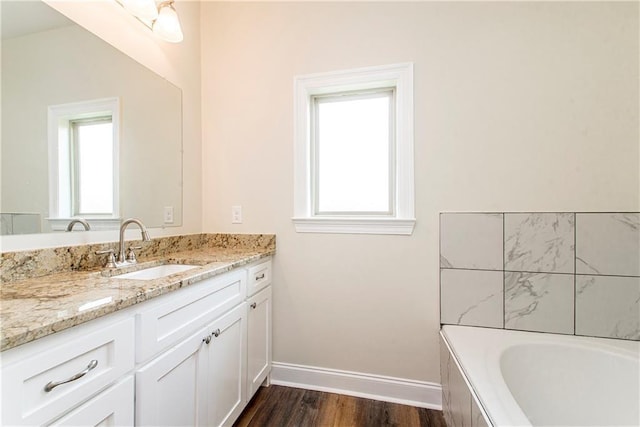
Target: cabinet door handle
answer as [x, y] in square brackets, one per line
[53, 384]
[260, 277]
[253, 305]
[207, 340]
[216, 333]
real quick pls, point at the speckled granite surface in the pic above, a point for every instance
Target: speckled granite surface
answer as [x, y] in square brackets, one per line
[43, 262]
[35, 304]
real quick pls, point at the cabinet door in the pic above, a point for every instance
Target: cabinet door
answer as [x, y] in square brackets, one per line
[112, 407]
[259, 340]
[170, 389]
[227, 367]
[171, 319]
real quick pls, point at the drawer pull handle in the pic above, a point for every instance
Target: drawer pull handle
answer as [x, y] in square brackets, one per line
[260, 277]
[216, 333]
[53, 384]
[253, 305]
[207, 340]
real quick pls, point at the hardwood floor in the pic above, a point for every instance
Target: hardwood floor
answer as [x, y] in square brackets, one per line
[278, 406]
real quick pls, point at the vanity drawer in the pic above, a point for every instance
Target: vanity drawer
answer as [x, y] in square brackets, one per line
[107, 350]
[259, 277]
[179, 314]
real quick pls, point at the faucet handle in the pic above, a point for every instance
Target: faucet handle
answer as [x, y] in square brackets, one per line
[111, 260]
[131, 255]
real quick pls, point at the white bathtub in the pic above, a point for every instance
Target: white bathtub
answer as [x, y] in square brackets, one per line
[539, 379]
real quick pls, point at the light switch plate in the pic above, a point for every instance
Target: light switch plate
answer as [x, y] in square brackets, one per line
[236, 214]
[168, 214]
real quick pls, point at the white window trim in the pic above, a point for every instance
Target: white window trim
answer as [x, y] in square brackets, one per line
[399, 76]
[59, 117]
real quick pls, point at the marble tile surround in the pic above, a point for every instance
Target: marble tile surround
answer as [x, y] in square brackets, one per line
[541, 242]
[569, 273]
[539, 302]
[30, 264]
[472, 296]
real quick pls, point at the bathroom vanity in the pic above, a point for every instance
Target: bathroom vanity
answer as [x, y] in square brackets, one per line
[190, 348]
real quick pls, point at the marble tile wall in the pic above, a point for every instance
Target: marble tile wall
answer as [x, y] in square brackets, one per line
[568, 273]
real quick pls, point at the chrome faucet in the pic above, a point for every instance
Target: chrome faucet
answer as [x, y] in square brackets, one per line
[125, 223]
[82, 221]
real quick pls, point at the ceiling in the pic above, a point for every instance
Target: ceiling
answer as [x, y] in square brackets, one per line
[28, 17]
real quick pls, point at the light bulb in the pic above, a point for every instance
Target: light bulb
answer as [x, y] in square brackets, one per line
[167, 25]
[143, 9]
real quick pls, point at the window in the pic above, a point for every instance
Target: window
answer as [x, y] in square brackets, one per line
[92, 166]
[353, 148]
[354, 151]
[83, 163]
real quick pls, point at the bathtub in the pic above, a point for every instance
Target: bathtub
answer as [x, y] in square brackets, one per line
[537, 379]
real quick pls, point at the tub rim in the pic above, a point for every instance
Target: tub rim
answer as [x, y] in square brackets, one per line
[495, 400]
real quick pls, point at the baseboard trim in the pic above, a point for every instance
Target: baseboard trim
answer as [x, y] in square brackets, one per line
[388, 389]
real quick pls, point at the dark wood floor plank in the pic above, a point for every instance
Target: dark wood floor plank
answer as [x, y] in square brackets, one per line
[347, 411]
[278, 406]
[252, 408]
[370, 413]
[431, 418]
[328, 410]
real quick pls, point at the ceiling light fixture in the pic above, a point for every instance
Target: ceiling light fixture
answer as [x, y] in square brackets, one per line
[143, 9]
[161, 18]
[167, 25]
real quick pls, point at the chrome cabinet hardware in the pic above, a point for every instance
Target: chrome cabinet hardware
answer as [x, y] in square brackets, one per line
[253, 305]
[216, 333]
[260, 277]
[207, 340]
[111, 260]
[53, 384]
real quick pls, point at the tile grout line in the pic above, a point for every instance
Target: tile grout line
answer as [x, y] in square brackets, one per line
[575, 262]
[504, 290]
[538, 272]
[440, 267]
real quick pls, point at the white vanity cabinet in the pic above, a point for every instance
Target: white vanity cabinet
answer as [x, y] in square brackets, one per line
[194, 356]
[170, 390]
[113, 407]
[207, 378]
[198, 382]
[259, 340]
[44, 380]
[226, 367]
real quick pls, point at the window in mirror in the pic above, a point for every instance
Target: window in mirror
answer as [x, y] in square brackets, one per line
[83, 162]
[92, 166]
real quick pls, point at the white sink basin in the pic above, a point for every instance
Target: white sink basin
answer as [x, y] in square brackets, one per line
[157, 272]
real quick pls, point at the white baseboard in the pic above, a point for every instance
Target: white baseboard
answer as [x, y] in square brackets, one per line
[388, 389]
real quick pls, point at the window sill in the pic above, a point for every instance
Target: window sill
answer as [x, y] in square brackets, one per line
[354, 225]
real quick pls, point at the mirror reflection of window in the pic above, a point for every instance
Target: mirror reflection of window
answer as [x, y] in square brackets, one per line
[92, 166]
[84, 162]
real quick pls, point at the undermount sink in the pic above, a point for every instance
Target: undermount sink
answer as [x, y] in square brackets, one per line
[156, 272]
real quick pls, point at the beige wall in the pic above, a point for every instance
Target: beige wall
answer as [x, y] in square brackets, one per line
[178, 63]
[518, 107]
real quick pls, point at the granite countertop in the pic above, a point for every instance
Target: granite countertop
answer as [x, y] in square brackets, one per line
[40, 306]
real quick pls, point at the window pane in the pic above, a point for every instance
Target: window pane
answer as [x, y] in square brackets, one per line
[353, 154]
[95, 168]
